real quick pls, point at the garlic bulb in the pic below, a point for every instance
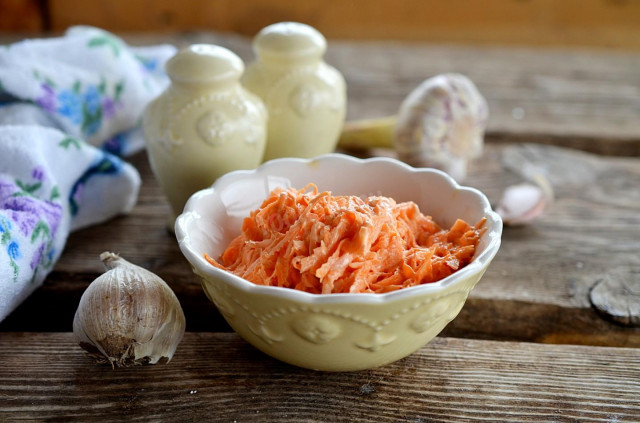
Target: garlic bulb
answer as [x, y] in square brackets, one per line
[128, 316]
[441, 124]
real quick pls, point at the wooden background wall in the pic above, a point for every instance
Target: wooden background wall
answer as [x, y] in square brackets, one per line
[598, 23]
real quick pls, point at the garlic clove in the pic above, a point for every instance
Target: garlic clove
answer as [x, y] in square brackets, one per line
[523, 203]
[128, 316]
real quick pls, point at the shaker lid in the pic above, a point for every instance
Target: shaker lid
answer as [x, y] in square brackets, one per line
[203, 64]
[289, 40]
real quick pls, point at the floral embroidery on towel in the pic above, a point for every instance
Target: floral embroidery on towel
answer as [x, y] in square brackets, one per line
[29, 219]
[83, 108]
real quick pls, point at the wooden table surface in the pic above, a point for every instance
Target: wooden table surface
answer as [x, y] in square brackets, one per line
[534, 342]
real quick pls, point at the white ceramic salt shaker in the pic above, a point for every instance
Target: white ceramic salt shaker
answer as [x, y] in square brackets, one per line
[204, 125]
[305, 97]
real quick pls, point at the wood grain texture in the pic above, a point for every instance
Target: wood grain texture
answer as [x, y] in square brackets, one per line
[617, 296]
[22, 16]
[534, 22]
[533, 96]
[219, 377]
[536, 289]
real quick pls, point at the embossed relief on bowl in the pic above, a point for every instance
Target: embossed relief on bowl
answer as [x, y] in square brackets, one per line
[317, 329]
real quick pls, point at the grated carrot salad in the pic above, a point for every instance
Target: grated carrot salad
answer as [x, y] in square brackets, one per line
[323, 244]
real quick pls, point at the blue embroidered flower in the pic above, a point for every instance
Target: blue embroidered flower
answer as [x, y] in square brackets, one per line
[14, 250]
[70, 106]
[92, 99]
[91, 111]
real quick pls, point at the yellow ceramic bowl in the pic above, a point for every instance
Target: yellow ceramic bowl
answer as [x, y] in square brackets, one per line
[335, 332]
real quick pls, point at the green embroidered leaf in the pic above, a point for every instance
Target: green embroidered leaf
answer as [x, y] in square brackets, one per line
[102, 88]
[47, 262]
[86, 118]
[65, 143]
[28, 188]
[115, 47]
[6, 236]
[33, 187]
[55, 193]
[89, 119]
[15, 270]
[37, 75]
[76, 87]
[41, 229]
[105, 40]
[104, 166]
[98, 41]
[33, 277]
[118, 90]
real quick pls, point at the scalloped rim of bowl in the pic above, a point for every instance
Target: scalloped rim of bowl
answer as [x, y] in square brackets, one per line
[494, 232]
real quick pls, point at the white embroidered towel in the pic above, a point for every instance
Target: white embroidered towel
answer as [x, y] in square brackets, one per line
[87, 83]
[51, 183]
[55, 94]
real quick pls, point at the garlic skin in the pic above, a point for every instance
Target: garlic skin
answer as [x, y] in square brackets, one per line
[441, 124]
[128, 316]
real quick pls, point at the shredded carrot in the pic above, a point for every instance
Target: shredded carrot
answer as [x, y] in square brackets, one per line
[323, 244]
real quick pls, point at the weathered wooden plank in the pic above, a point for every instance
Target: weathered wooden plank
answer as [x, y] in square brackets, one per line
[537, 288]
[219, 377]
[534, 22]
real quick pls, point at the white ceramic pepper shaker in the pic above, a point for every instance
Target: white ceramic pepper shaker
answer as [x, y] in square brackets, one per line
[305, 97]
[204, 125]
